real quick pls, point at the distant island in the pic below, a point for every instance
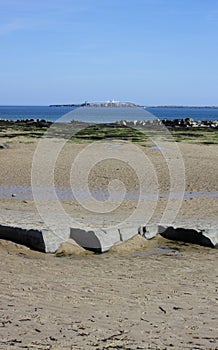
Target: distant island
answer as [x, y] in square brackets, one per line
[111, 103]
[119, 104]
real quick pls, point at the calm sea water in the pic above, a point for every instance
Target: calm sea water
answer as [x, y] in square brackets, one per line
[54, 113]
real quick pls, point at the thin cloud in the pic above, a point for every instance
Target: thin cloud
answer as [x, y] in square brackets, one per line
[42, 7]
[40, 15]
[24, 24]
[10, 27]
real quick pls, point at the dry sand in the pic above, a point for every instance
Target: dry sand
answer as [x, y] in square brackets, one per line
[160, 296]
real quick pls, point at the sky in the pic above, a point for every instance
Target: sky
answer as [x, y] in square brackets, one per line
[151, 52]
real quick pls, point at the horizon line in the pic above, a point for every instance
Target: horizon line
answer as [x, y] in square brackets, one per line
[77, 104]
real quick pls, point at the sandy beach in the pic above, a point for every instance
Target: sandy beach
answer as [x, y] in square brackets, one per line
[161, 296]
[108, 175]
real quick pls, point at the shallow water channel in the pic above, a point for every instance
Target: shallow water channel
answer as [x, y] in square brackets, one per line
[67, 194]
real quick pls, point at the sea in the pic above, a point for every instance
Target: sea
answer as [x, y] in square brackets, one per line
[107, 116]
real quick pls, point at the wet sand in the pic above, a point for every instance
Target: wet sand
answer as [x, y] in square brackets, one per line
[162, 297]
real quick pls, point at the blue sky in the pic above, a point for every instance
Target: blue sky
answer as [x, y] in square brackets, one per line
[151, 52]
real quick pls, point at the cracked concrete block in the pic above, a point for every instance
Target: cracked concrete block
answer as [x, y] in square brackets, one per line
[127, 232]
[148, 231]
[41, 239]
[204, 237]
[99, 240]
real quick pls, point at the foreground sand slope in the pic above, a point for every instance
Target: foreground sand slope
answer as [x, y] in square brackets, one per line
[159, 299]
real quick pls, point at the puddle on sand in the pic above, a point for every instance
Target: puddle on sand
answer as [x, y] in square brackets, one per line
[162, 250]
[112, 145]
[160, 148]
[66, 194]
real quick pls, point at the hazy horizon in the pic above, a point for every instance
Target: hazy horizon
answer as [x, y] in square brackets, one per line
[141, 105]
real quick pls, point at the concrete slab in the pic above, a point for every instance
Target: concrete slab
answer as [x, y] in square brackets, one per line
[205, 237]
[101, 240]
[98, 240]
[202, 236]
[43, 240]
[30, 238]
[27, 228]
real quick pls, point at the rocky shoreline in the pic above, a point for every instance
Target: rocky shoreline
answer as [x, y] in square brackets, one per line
[172, 123]
[188, 130]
